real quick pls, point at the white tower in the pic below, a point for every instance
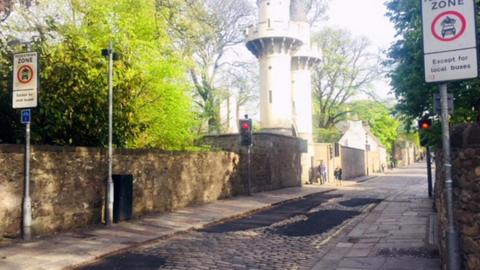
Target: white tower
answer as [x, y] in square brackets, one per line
[273, 41]
[303, 61]
[281, 42]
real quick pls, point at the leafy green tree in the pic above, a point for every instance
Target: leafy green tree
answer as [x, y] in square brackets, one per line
[324, 135]
[414, 95]
[347, 69]
[379, 117]
[208, 30]
[152, 107]
[224, 26]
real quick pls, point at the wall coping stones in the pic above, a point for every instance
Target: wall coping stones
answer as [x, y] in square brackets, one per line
[20, 148]
[268, 134]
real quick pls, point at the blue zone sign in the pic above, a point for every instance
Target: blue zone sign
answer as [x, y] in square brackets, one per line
[26, 116]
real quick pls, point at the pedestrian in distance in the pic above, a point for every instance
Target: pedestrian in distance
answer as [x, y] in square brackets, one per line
[338, 175]
[323, 172]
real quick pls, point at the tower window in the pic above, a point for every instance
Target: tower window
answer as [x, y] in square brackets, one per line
[268, 23]
[270, 96]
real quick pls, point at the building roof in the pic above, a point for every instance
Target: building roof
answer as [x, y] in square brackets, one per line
[345, 126]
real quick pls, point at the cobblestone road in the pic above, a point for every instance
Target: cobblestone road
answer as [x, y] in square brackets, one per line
[295, 235]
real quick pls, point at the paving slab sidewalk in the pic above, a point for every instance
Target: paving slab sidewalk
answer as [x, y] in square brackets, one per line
[69, 249]
[397, 234]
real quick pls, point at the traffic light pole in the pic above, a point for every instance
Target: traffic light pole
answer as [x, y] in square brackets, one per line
[452, 237]
[429, 172]
[246, 140]
[249, 164]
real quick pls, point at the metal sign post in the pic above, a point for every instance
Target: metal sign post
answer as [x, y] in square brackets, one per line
[24, 95]
[450, 53]
[452, 236]
[27, 201]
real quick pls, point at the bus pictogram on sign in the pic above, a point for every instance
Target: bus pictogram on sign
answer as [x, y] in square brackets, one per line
[449, 26]
[25, 74]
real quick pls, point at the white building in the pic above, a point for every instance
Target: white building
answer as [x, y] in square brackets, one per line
[358, 136]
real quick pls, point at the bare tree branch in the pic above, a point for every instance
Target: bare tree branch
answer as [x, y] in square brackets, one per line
[347, 69]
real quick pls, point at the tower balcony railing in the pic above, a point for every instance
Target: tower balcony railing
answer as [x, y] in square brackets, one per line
[309, 50]
[269, 29]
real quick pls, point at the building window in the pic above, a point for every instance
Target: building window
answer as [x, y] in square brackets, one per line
[270, 96]
[268, 22]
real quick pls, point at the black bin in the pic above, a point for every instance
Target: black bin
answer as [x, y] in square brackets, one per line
[122, 197]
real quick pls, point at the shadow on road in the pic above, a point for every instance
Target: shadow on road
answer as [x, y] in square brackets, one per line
[127, 261]
[272, 215]
[317, 223]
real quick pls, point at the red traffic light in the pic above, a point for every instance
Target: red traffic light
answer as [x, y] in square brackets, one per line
[245, 132]
[424, 124]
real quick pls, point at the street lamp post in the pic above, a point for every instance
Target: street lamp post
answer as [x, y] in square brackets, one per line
[109, 206]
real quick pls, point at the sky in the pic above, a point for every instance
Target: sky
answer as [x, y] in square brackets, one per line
[364, 18]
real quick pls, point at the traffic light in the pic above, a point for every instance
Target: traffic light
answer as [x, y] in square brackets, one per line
[424, 124]
[246, 132]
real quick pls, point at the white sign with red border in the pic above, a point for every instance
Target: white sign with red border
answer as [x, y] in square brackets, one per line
[25, 80]
[449, 40]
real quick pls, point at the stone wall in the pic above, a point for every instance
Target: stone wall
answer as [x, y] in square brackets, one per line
[405, 153]
[373, 162]
[276, 159]
[68, 184]
[353, 162]
[465, 141]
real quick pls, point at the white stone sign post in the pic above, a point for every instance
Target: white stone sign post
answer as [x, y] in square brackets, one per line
[450, 54]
